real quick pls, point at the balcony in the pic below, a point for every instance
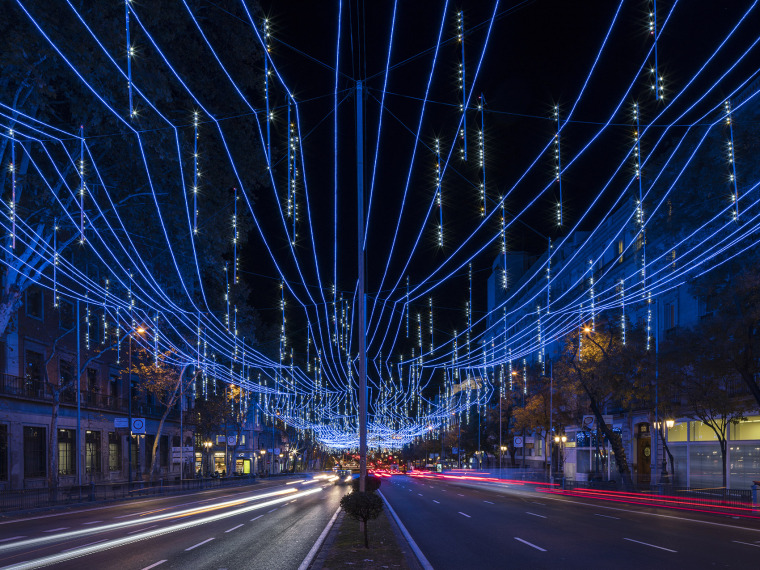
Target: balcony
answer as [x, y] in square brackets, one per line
[34, 390]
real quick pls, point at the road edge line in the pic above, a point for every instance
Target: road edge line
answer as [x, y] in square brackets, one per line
[416, 549]
[317, 545]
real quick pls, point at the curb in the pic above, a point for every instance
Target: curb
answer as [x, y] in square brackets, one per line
[416, 549]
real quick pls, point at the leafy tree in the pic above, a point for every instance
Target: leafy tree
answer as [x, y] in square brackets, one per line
[121, 202]
[363, 507]
[730, 328]
[164, 383]
[604, 370]
[711, 393]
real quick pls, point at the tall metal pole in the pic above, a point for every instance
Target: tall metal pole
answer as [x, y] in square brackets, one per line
[361, 295]
[129, 408]
[79, 410]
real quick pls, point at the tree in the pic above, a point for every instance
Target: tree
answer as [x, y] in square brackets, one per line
[711, 391]
[605, 370]
[131, 180]
[363, 507]
[729, 329]
[164, 382]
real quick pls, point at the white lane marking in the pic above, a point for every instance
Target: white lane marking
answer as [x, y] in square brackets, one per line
[747, 543]
[460, 494]
[416, 549]
[464, 515]
[92, 522]
[83, 545]
[436, 501]
[154, 565]
[431, 486]
[420, 494]
[234, 528]
[11, 538]
[537, 503]
[731, 526]
[534, 514]
[256, 518]
[443, 490]
[647, 544]
[489, 502]
[200, 544]
[273, 510]
[56, 529]
[530, 544]
[142, 529]
[318, 544]
[606, 516]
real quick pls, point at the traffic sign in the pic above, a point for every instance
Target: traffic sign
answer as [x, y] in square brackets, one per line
[138, 426]
[518, 441]
[120, 423]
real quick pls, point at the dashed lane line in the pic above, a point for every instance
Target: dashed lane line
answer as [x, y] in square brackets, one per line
[11, 538]
[233, 528]
[56, 529]
[747, 543]
[273, 510]
[489, 502]
[83, 545]
[606, 516]
[530, 544]
[436, 501]
[92, 522]
[199, 544]
[464, 514]
[460, 494]
[256, 518]
[154, 565]
[142, 529]
[647, 544]
[534, 514]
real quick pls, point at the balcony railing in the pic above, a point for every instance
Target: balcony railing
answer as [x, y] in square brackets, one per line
[32, 389]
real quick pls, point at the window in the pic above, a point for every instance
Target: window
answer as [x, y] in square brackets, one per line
[3, 358]
[163, 448]
[34, 302]
[3, 452]
[95, 332]
[33, 373]
[35, 455]
[67, 452]
[707, 306]
[114, 452]
[66, 370]
[92, 380]
[639, 240]
[620, 251]
[671, 316]
[66, 315]
[92, 451]
[113, 388]
[673, 260]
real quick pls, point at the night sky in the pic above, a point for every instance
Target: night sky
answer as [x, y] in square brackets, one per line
[539, 54]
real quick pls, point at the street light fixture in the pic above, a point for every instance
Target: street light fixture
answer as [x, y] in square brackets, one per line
[207, 445]
[138, 330]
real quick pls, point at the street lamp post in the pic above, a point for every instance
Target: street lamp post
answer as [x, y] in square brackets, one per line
[207, 445]
[560, 440]
[139, 330]
[501, 460]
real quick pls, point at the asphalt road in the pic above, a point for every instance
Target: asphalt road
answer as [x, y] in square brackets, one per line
[269, 525]
[480, 525]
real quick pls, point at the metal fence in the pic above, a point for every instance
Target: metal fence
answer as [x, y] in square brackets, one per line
[670, 495]
[23, 499]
